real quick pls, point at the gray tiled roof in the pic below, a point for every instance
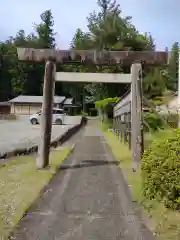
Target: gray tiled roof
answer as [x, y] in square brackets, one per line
[68, 101]
[35, 99]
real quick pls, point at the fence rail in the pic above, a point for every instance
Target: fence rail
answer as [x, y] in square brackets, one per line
[124, 106]
[122, 119]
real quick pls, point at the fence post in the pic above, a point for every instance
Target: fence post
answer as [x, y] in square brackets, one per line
[121, 127]
[129, 130]
[118, 129]
[135, 116]
[114, 124]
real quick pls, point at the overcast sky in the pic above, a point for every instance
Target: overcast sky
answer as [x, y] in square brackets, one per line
[159, 17]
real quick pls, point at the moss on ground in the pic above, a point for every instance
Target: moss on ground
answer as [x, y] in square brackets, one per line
[164, 222]
[20, 185]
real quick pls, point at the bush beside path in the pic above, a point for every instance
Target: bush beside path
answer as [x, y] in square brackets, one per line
[163, 154]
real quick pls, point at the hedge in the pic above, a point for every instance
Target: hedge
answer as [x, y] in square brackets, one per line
[161, 170]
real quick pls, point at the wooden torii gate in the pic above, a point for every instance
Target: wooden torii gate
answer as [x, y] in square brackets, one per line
[52, 57]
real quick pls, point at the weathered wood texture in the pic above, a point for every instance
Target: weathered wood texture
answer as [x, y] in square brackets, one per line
[123, 106]
[46, 118]
[127, 117]
[136, 111]
[92, 56]
[93, 77]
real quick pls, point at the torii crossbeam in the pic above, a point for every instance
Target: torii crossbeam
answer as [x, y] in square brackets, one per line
[92, 56]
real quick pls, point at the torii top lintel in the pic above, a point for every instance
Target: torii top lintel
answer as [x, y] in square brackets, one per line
[92, 56]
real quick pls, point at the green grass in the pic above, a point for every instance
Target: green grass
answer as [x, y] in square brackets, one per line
[164, 222]
[20, 185]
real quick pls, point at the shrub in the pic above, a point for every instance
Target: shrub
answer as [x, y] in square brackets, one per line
[172, 119]
[106, 105]
[161, 170]
[152, 121]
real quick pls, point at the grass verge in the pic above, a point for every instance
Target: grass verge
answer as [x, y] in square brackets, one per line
[164, 222]
[20, 185]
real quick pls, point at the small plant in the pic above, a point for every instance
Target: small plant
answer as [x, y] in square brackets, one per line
[161, 170]
[84, 114]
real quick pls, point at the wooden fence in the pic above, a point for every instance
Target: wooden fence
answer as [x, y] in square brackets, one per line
[122, 119]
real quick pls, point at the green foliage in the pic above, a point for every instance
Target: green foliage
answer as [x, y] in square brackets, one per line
[172, 69]
[109, 29]
[172, 119]
[81, 40]
[105, 108]
[105, 103]
[24, 78]
[152, 121]
[161, 170]
[107, 124]
[45, 30]
[153, 84]
[84, 114]
[170, 72]
[157, 101]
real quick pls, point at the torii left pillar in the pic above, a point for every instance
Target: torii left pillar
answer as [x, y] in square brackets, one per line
[46, 120]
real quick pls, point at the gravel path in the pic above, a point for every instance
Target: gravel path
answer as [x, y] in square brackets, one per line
[21, 134]
[87, 200]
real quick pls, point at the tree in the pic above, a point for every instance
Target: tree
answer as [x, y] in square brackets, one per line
[45, 38]
[12, 77]
[105, 107]
[154, 84]
[172, 69]
[104, 25]
[108, 29]
[18, 77]
[45, 31]
[81, 40]
[107, 6]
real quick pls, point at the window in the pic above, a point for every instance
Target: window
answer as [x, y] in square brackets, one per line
[58, 111]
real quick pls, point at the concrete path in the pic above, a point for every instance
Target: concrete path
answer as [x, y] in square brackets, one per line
[87, 200]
